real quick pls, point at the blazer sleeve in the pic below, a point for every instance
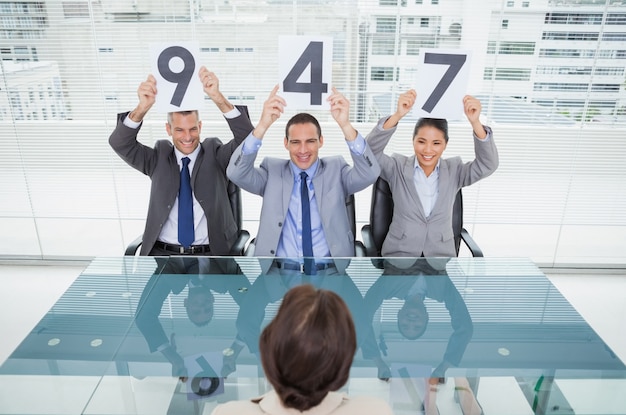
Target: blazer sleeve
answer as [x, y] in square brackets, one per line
[377, 140]
[240, 126]
[124, 142]
[149, 308]
[485, 162]
[242, 172]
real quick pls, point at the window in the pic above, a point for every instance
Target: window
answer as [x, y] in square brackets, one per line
[383, 46]
[517, 48]
[386, 25]
[552, 69]
[488, 74]
[512, 74]
[382, 73]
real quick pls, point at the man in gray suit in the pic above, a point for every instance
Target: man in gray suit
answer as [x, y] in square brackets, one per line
[425, 185]
[329, 180]
[214, 226]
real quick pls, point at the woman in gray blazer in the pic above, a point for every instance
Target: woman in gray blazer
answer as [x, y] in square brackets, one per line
[307, 352]
[425, 185]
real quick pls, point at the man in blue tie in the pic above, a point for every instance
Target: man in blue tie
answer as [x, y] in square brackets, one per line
[189, 211]
[304, 198]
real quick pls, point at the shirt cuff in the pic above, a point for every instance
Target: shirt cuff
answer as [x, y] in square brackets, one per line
[234, 113]
[130, 123]
[489, 134]
[251, 144]
[357, 146]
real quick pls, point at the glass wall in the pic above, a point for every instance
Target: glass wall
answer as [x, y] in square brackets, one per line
[550, 75]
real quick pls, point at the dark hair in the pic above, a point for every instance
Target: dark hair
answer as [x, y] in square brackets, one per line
[439, 123]
[307, 350]
[303, 118]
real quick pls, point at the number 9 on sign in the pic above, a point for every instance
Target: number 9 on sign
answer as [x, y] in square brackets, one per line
[305, 70]
[175, 67]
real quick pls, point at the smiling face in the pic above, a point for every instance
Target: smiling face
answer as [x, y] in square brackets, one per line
[199, 306]
[412, 319]
[429, 143]
[184, 128]
[303, 144]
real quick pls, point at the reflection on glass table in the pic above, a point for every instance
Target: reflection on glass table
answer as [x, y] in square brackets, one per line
[436, 335]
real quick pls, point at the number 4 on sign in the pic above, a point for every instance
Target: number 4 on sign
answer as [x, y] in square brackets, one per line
[442, 81]
[305, 71]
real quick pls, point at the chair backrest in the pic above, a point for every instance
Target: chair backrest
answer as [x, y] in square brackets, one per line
[234, 197]
[381, 214]
[351, 209]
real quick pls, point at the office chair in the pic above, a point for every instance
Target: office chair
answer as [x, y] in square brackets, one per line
[381, 213]
[351, 210]
[238, 248]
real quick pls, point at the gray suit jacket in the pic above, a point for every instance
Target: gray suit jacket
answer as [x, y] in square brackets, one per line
[411, 233]
[208, 180]
[334, 181]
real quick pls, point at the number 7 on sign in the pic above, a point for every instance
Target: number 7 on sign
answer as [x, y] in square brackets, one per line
[442, 83]
[305, 70]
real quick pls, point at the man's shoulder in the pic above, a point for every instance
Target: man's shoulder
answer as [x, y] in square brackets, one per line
[333, 160]
[275, 162]
[210, 142]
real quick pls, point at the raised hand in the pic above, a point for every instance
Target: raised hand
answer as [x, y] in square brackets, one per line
[472, 108]
[211, 87]
[147, 96]
[340, 110]
[405, 103]
[273, 108]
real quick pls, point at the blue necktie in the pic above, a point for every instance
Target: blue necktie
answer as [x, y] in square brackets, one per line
[185, 207]
[307, 237]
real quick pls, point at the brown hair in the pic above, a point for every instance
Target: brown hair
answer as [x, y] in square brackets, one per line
[307, 350]
[303, 118]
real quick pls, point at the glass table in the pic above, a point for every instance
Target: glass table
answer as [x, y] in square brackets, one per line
[143, 335]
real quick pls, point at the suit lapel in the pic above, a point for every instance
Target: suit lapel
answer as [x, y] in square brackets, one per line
[288, 183]
[196, 167]
[408, 172]
[444, 177]
[318, 185]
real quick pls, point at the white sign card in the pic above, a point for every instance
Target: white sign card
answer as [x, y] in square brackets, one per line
[204, 375]
[442, 80]
[175, 67]
[409, 386]
[305, 71]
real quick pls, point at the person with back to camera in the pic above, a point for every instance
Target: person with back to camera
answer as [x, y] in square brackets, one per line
[306, 353]
[424, 186]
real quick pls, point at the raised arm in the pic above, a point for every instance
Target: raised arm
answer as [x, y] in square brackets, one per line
[340, 110]
[273, 108]
[405, 103]
[472, 108]
[211, 86]
[147, 96]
